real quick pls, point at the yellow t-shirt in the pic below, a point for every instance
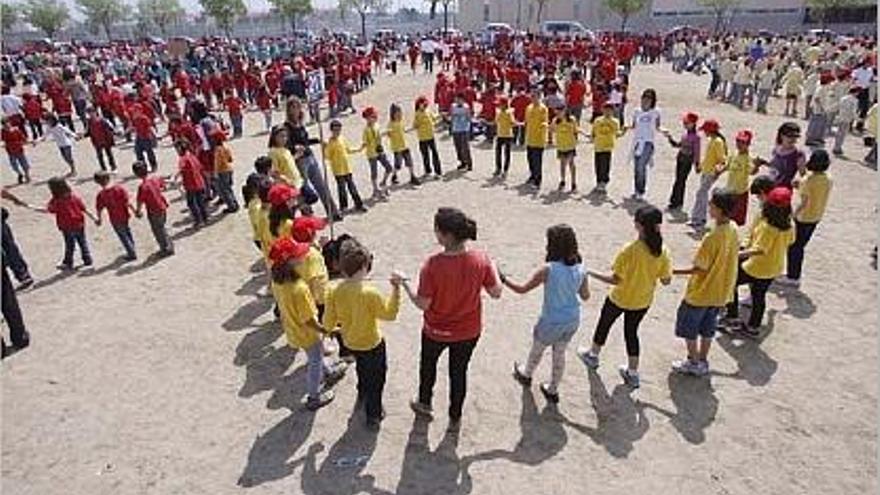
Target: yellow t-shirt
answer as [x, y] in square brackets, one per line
[423, 121]
[222, 159]
[638, 271]
[357, 308]
[774, 246]
[718, 255]
[871, 121]
[604, 132]
[566, 134]
[815, 189]
[537, 121]
[297, 307]
[263, 234]
[314, 272]
[716, 154]
[255, 212]
[336, 154]
[396, 138]
[504, 123]
[284, 165]
[738, 168]
[372, 140]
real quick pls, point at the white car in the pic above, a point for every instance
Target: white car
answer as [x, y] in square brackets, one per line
[569, 29]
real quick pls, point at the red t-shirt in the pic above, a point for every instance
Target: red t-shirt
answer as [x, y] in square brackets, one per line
[233, 105]
[453, 283]
[143, 126]
[33, 109]
[574, 95]
[100, 131]
[14, 140]
[150, 194]
[520, 103]
[115, 199]
[61, 104]
[68, 212]
[191, 173]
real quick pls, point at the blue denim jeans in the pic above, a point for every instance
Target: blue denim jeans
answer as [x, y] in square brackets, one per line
[224, 189]
[143, 149]
[126, 238]
[236, 125]
[19, 164]
[195, 201]
[71, 239]
[315, 368]
[641, 162]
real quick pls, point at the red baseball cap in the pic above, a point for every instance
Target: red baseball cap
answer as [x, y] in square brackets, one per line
[422, 100]
[690, 118]
[779, 196]
[280, 194]
[304, 228]
[710, 125]
[369, 112]
[285, 248]
[744, 136]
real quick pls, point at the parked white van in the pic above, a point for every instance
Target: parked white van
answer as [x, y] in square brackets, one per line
[565, 28]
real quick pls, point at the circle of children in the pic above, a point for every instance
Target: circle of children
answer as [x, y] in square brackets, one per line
[287, 180]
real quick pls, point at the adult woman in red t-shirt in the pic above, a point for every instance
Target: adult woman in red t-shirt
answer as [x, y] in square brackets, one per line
[450, 285]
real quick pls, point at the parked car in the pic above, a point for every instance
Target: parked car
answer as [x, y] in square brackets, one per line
[570, 29]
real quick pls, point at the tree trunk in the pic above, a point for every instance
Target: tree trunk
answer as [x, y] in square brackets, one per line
[363, 26]
[718, 16]
[623, 19]
[293, 23]
[106, 29]
[540, 11]
[445, 17]
[518, 14]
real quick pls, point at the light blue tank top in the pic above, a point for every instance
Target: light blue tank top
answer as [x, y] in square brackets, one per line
[561, 302]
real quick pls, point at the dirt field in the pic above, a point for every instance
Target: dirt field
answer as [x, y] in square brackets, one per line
[170, 377]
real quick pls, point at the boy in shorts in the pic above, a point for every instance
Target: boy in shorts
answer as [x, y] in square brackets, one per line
[710, 286]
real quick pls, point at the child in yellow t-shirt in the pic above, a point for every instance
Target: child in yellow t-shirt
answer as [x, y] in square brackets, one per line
[710, 166]
[223, 169]
[336, 151]
[739, 166]
[604, 133]
[299, 319]
[814, 192]
[283, 164]
[566, 129]
[504, 124]
[710, 286]
[763, 259]
[423, 123]
[636, 270]
[397, 140]
[372, 147]
[356, 306]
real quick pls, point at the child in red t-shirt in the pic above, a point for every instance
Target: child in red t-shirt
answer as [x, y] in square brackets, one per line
[144, 139]
[34, 112]
[193, 182]
[520, 102]
[14, 140]
[234, 106]
[150, 195]
[70, 213]
[264, 103]
[114, 199]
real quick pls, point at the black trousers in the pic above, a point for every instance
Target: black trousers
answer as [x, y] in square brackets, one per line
[631, 321]
[502, 152]
[371, 367]
[36, 128]
[602, 165]
[101, 151]
[11, 311]
[344, 185]
[11, 254]
[459, 359]
[758, 288]
[683, 165]
[462, 142]
[535, 157]
[428, 150]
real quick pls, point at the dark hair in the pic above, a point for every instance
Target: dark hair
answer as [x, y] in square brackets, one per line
[263, 165]
[353, 256]
[652, 95]
[762, 184]
[51, 119]
[101, 177]
[263, 186]
[787, 128]
[455, 223]
[724, 199]
[562, 245]
[182, 144]
[248, 191]
[278, 214]
[777, 216]
[819, 161]
[283, 273]
[395, 108]
[650, 218]
[139, 169]
[274, 133]
[58, 187]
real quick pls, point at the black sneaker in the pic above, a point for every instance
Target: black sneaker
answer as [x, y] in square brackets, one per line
[552, 397]
[394, 179]
[24, 284]
[525, 381]
[415, 181]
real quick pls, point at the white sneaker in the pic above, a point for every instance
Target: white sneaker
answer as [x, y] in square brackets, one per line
[746, 301]
[630, 377]
[589, 359]
[689, 367]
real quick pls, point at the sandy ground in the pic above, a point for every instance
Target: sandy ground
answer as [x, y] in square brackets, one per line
[170, 377]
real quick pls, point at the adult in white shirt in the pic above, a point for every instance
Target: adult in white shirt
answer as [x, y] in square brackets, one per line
[862, 78]
[645, 123]
[427, 48]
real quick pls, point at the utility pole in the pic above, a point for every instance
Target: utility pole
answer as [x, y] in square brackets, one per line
[518, 13]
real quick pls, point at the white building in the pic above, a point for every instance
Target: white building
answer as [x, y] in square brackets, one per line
[776, 15]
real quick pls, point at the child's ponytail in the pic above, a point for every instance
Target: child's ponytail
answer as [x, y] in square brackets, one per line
[650, 218]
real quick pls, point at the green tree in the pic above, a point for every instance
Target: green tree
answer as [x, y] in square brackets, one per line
[719, 9]
[293, 9]
[625, 9]
[820, 8]
[104, 13]
[362, 8]
[224, 12]
[161, 13]
[9, 14]
[46, 15]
